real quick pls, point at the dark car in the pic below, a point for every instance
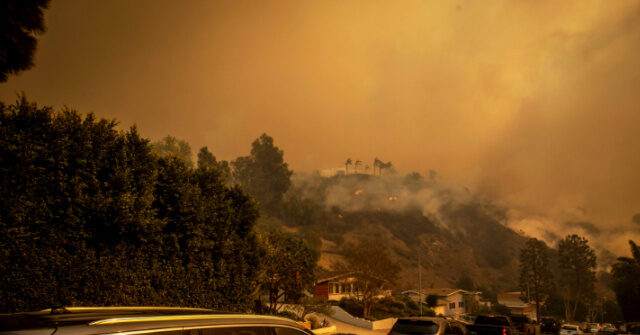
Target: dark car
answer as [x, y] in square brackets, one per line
[549, 326]
[523, 324]
[492, 325]
[427, 325]
[147, 321]
[633, 328]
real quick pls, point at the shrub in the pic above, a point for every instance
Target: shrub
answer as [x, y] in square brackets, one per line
[352, 306]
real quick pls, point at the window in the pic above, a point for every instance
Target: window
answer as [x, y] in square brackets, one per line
[460, 304]
[452, 305]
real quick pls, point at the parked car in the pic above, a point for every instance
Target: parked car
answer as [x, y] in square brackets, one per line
[492, 325]
[428, 325]
[570, 329]
[633, 328]
[592, 328]
[523, 324]
[608, 329]
[147, 321]
[549, 326]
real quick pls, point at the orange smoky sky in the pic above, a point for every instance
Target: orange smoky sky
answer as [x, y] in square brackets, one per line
[532, 103]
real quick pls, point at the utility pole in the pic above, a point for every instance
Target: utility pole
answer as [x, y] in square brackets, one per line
[419, 284]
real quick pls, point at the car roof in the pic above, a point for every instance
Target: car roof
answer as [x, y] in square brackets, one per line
[435, 319]
[101, 320]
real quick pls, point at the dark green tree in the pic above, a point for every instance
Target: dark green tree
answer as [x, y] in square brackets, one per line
[171, 146]
[75, 194]
[20, 22]
[577, 263]
[465, 282]
[536, 278]
[89, 216]
[431, 300]
[206, 160]
[288, 266]
[263, 174]
[208, 242]
[626, 272]
[376, 272]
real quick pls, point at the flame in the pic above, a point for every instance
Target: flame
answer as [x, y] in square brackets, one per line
[340, 216]
[392, 198]
[358, 192]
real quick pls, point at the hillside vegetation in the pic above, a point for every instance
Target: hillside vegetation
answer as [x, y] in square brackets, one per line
[454, 233]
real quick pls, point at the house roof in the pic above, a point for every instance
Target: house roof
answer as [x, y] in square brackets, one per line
[512, 300]
[347, 275]
[339, 276]
[440, 292]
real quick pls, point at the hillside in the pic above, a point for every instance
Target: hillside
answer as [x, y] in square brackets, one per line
[454, 234]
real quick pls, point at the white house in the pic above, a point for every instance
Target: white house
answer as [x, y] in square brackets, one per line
[515, 304]
[451, 301]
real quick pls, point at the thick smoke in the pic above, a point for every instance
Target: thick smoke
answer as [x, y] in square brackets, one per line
[450, 208]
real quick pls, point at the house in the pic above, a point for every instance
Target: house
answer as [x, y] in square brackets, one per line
[515, 304]
[450, 302]
[341, 286]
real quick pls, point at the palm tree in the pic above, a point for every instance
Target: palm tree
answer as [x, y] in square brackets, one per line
[358, 163]
[376, 163]
[366, 168]
[346, 165]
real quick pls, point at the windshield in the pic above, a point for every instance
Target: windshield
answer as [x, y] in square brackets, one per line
[519, 319]
[405, 326]
[492, 320]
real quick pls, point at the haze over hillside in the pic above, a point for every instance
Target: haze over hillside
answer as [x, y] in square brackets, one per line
[530, 104]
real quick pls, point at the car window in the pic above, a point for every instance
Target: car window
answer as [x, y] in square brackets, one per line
[231, 331]
[287, 331]
[173, 332]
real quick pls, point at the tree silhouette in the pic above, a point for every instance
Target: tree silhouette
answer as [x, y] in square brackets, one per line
[171, 146]
[577, 273]
[358, 163]
[263, 174]
[377, 163]
[346, 165]
[288, 266]
[375, 271]
[20, 22]
[90, 216]
[536, 279]
[626, 272]
[206, 160]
